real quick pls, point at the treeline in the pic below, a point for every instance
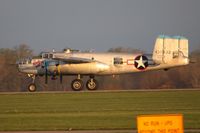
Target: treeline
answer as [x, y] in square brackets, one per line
[180, 77]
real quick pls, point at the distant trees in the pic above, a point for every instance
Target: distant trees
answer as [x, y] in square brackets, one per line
[125, 50]
[193, 70]
[23, 51]
[10, 78]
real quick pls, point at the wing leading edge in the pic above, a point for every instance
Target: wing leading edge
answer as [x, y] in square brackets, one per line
[68, 58]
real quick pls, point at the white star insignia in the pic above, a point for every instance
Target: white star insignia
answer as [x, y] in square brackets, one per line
[141, 62]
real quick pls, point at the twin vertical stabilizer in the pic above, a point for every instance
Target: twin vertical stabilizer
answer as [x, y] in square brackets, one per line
[169, 48]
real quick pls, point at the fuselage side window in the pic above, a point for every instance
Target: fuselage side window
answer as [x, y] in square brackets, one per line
[118, 61]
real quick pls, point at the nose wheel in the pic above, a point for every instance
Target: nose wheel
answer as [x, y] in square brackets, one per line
[32, 87]
[92, 84]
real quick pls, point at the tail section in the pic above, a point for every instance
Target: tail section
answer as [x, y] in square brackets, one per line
[169, 50]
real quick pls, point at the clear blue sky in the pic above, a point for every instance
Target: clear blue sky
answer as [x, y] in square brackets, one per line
[96, 24]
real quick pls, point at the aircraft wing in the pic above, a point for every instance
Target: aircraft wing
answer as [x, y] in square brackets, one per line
[74, 60]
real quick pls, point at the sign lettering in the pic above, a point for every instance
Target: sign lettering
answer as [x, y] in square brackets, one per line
[171, 123]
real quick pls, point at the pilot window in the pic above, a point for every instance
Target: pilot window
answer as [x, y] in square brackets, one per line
[118, 61]
[50, 56]
[45, 56]
[29, 61]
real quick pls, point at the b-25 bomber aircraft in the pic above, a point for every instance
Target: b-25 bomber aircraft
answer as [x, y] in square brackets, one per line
[168, 52]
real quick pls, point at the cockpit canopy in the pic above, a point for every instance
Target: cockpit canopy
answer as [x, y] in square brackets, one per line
[46, 55]
[69, 50]
[50, 55]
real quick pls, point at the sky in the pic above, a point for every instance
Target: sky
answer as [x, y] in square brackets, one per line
[96, 25]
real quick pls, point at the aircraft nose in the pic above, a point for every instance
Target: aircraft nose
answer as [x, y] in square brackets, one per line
[19, 65]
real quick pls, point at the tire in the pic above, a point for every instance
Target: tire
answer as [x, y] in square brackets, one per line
[77, 85]
[92, 84]
[32, 87]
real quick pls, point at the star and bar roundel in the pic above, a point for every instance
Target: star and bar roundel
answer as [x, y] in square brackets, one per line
[141, 62]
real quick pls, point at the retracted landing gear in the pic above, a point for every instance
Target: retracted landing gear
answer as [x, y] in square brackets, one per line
[92, 84]
[32, 87]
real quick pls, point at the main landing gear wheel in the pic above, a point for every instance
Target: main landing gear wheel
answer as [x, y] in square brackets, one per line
[92, 84]
[77, 85]
[32, 87]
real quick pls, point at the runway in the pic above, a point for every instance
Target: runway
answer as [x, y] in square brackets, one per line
[94, 131]
[104, 91]
[84, 131]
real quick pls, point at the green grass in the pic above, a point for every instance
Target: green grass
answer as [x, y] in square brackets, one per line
[101, 110]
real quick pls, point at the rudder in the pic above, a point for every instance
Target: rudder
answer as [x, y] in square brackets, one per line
[168, 48]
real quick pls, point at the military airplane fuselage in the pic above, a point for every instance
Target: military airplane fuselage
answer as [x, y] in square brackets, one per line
[97, 64]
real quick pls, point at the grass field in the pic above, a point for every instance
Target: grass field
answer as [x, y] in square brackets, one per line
[96, 110]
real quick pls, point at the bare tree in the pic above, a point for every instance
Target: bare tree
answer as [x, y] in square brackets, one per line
[10, 78]
[125, 50]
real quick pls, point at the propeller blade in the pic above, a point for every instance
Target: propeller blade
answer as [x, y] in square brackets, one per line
[46, 76]
[58, 68]
[59, 72]
[61, 78]
[46, 72]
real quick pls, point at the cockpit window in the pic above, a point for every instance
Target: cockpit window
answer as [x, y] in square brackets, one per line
[45, 56]
[50, 56]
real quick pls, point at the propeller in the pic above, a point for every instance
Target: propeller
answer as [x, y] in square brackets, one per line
[46, 71]
[61, 78]
[59, 72]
